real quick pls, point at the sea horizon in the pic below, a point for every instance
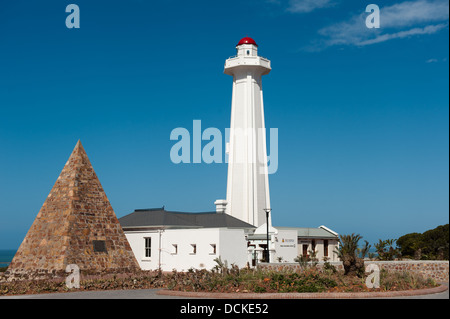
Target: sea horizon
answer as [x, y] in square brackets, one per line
[6, 256]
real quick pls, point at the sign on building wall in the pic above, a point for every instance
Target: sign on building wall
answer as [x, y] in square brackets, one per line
[288, 243]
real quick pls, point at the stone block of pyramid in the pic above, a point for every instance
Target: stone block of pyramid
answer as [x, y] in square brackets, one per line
[76, 225]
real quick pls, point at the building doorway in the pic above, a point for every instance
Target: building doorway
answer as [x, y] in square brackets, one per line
[305, 250]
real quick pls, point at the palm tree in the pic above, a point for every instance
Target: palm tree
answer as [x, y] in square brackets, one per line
[348, 252]
[386, 250]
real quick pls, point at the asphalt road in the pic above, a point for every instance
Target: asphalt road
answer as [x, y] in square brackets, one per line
[103, 294]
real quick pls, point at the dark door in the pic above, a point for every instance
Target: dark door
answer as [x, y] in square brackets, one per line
[305, 250]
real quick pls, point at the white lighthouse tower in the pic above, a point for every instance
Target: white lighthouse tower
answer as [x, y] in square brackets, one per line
[248, 184]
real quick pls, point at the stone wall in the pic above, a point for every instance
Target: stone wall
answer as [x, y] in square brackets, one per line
[437, 270]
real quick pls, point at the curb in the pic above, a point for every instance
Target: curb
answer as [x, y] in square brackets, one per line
[293, 295]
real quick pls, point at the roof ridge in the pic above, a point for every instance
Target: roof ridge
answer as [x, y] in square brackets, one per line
[191, 213]
[172, 212]
[149, 209]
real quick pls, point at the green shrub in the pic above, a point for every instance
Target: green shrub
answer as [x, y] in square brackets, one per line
[432, 244]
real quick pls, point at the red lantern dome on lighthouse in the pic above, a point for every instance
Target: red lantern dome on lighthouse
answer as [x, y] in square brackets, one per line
[247, 40]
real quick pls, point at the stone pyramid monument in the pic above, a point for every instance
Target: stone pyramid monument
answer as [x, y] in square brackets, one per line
[76, 225]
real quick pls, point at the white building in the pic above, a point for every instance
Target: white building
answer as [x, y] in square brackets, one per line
[288, 243]
[167, 240]
[238, 232]
[174, 240]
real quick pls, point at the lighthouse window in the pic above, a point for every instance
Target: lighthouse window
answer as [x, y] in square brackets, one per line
[248, 52]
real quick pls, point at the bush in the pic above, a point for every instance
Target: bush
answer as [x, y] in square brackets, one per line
[409, 244]
[233, 279]
[302, 261]
[431, 245]
[327, 267]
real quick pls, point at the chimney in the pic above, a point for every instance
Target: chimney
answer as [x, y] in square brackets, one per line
[221, 205]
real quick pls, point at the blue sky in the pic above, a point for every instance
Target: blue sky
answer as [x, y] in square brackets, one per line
[362, 114]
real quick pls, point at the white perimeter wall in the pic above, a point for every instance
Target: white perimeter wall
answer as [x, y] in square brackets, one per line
[230, 246]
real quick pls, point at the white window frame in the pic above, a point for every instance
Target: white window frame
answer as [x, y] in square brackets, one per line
[175, 249]
[147, 249]
[194, 249]
[214, 249]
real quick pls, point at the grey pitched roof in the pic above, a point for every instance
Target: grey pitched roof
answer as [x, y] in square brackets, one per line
[159, 217]
[310, 232]
[302, 232]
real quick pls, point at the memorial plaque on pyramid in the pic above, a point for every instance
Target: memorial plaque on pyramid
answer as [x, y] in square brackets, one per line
[76, 225]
